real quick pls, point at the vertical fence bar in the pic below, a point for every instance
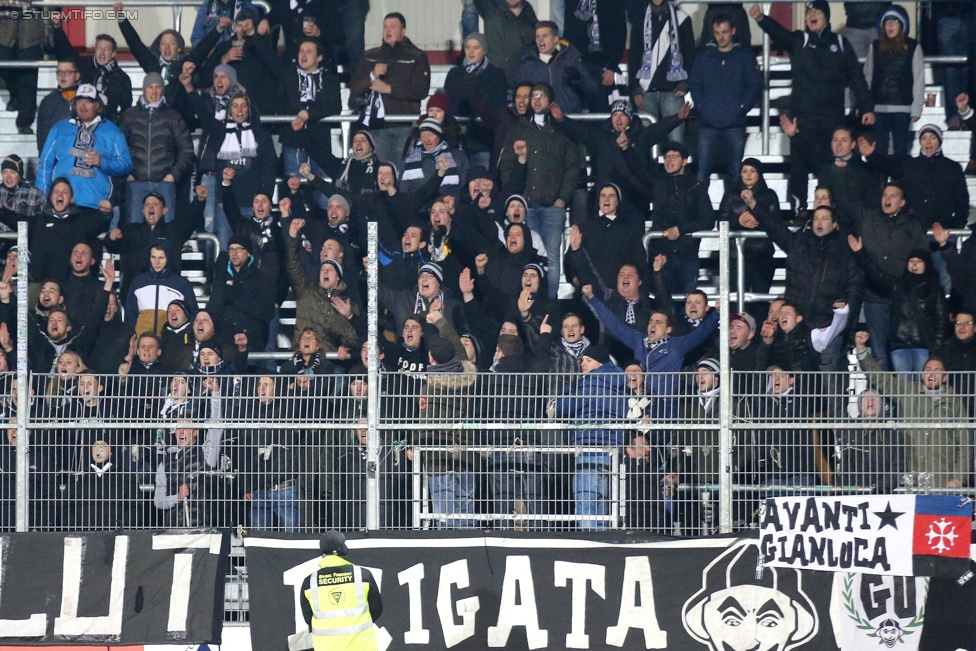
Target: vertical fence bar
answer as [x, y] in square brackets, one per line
[177, 18]
[373, 381]
[766, 7]
[740, 274]
[725, 383]
[22, 415]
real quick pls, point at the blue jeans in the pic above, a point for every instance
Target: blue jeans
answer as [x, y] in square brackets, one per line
[681, 274]
[292, 159]
[352, 13]
[135, 193]
[550, 223]
[909, 361]
[662, 105]
[469, 19]
[516, 476]
[712, 143]
[283, 503]
[954, 41]
[878, 317]
[895, 128]
[452, 493]
[390, 141]
[591, 490]
[218, 223]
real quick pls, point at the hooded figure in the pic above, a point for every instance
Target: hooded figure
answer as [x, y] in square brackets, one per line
[152, 291]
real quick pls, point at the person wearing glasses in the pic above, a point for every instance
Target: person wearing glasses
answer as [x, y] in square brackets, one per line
[56, 105]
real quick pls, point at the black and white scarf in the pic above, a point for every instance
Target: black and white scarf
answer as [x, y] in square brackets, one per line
[266, 225]
[706, 398]
[421, 305]
[368, 171]
[654, 52]
[629, 317]
[102, 79]
[374, 111]
[476, 68]
[164, 69]
[652, 345]
[306, 368]
[238, 142]
[151, 106]
[440, 248]
[575, 349]
[101, 470]
[221, 104]
[413, 165]
[586, 12]
[84, 143]
[693, 322]
[308, 85]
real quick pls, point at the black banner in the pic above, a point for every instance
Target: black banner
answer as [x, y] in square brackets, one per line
[607, 591]
[112, 588]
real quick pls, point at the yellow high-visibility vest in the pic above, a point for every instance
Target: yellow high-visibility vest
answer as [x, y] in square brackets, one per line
[340, 614]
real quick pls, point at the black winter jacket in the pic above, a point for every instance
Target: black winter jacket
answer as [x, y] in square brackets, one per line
[823, 65]
[680, 200]
[51, 237]
[935, 187]
[819, 270]
[918, 305]
[732, 207]
[606, 246]
[243, 301]
[118, 86]
[887, 240]
[159, 143]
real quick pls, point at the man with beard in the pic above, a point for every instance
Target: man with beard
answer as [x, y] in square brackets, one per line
[176, 339]
[85, 150]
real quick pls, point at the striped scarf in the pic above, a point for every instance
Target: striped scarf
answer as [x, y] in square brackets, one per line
[413, 166]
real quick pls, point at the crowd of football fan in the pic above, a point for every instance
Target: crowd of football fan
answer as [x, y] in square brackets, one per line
[471, 217]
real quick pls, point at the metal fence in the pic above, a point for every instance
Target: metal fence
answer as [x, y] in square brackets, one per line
[531, 452]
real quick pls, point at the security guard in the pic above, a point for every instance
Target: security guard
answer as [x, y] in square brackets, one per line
[341, 600]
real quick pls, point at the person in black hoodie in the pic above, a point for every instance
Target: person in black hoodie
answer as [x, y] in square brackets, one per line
[502, 269]
[601, 244]
[131, 242]
[918, 307]
[742, 196]
[176, 339]
[243, 295]
[824, 66]
[681, 207]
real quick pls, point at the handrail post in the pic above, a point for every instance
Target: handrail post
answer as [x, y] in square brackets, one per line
[177, 17]
[725, 386]
[740, 274]
[22, 396]
[766, 7]
[373, 382]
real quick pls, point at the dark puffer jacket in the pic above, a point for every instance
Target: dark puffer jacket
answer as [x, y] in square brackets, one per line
[159, 142]
[680, 200]
[888, 241]
[918, 305]
[551, 168]
[732, 207]
[819, 270]
[824, 65]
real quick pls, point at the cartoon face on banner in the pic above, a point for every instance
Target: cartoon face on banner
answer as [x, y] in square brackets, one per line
[879, 611]
[733, 611]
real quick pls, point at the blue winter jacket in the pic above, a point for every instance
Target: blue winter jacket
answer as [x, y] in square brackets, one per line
[206, 22]
[56, 161]
[725, 85]
[600, 397]
[665, 360]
